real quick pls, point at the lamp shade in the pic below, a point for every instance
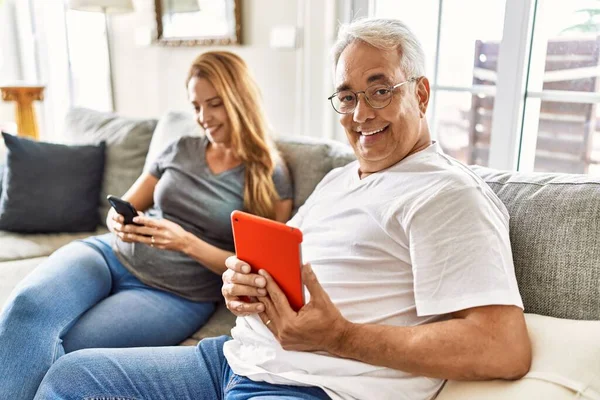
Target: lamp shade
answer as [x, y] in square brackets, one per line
[106, 6]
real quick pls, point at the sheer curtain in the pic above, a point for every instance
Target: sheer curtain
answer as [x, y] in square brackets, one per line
[10, 59]
[63, 50]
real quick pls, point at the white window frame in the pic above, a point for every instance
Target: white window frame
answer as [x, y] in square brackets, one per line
[514, 133]
[509, 103]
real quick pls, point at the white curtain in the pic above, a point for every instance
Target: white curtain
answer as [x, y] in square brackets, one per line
[35, 49]
[10, 58]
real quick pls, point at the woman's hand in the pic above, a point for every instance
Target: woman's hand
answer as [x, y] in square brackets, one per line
[240, 285]
[114, 220]
[159, 233]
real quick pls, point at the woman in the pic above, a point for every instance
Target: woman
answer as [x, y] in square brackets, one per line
[156, 283]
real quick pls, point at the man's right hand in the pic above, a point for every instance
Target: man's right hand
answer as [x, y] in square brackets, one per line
[239, 283]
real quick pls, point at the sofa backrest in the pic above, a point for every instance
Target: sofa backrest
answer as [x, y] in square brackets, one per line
[555, 218]
[127, 141]
[308, 159]
[555, 238]
[170, 127]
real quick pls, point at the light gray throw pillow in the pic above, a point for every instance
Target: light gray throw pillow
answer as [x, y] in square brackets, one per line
[127, 142]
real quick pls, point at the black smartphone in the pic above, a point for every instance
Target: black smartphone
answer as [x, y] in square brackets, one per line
[125, 208]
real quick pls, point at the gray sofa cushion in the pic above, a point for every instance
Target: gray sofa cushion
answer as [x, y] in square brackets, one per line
[221, 323]
[127, 141]
[309, 160]
[554, 231]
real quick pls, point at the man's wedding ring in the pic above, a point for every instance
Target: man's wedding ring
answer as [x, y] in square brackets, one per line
[267, 323]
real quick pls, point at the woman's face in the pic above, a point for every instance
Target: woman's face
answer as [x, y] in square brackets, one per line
[210, 111]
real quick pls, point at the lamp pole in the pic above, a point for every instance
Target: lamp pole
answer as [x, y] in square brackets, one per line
[110, 67]
[105, 7]
[68, 44]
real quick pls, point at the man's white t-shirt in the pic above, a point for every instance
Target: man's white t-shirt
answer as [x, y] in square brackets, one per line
[404, 246]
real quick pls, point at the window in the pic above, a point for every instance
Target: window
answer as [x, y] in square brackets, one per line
[561, 131]
[88, 60]
[514, 82]
[67, 52]
[461, 69]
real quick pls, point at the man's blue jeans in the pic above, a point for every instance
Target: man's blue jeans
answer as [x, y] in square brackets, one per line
[83, 297]
[183, 373]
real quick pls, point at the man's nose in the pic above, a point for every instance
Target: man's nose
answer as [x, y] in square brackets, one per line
[363, 110]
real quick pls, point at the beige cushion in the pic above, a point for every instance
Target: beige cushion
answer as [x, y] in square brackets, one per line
[14, 246]
[170, 127]
[13, 272]
[566, 364]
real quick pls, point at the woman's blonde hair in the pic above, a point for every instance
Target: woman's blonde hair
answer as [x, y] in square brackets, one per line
[250, 133]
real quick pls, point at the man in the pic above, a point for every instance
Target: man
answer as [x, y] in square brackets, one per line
[410, 280]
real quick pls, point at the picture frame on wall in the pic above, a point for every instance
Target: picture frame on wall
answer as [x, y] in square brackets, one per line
[198, 22]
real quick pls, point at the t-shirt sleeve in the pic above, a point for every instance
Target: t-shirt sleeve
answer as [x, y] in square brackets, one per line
[283, 181]
[158, 167]
[460, 253]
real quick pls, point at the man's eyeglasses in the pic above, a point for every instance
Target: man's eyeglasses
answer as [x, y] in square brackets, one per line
[377, 96]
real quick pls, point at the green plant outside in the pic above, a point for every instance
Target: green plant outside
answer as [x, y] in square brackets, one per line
[591, 25]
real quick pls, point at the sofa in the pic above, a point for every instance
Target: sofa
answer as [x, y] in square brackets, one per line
[554, 230]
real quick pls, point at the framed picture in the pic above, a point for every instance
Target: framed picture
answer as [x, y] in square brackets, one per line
[198, 22]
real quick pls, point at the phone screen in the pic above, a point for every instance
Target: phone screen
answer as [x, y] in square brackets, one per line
[125, 208]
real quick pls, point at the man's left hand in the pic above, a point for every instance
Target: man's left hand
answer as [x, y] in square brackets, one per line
[318, 326]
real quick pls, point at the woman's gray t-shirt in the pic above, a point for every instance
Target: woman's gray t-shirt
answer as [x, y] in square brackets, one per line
[189, 194]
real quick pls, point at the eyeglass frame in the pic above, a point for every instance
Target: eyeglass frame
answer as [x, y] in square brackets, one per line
[390, 88]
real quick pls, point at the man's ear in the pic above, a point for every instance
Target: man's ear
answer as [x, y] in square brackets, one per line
[423, 92]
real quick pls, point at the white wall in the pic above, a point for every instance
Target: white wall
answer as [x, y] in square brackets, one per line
[149, 80]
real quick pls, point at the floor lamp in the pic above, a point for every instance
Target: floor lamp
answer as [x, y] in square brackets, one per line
[106, 7]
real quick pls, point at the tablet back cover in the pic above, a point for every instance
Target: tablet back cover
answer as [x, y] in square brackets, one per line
[274, 247]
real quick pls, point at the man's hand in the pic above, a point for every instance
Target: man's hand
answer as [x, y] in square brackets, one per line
[318, 326]
[239, 284]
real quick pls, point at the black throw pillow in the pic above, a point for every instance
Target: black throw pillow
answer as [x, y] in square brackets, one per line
[50, 187]
[1, 174]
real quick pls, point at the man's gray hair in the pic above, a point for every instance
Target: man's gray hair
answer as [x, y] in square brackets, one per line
[384, 34]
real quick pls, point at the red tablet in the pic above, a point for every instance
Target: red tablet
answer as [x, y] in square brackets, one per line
[274, 247]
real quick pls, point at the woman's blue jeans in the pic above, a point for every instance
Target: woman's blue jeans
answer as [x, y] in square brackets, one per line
[83, 297]
[160, 373]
